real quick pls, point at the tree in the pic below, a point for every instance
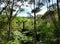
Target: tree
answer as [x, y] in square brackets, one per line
[57, 25]
[9, 9]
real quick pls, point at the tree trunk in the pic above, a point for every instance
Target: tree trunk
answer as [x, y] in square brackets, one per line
[9, 21]
[58, 30]
[35, 31]
[23, 25]
[9, 29]
[58, 10]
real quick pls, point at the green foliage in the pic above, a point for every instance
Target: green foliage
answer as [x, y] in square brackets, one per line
[45, 31]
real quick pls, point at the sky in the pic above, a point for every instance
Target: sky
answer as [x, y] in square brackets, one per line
[27, 10]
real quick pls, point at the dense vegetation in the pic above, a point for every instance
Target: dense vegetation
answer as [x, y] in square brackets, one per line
[22, 31]
[40, 29]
